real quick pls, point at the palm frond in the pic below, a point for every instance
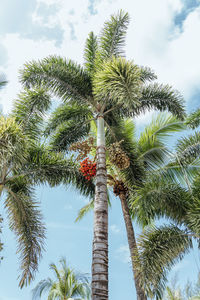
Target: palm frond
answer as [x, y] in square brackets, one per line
[158, 251]
[152, 141]
[68, 133]
[26, 222]
[84, 210]
[45, 166]
[119, 82]
[188, 148]
[67, 112]
[90, 52]
[156, 198]
[163, 98]
[42, 287]
[112, 37]
[29, 110]
[146, 74]
[193, 120]
[62, 77]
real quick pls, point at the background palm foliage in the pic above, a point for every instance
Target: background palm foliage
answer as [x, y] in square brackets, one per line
[25, 163]
[67, 284]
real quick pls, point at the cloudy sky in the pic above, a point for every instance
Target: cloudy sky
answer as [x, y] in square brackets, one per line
[164, 35]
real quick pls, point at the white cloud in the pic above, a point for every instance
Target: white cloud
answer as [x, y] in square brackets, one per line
[123, 254]
[152, 40]
[115, 229]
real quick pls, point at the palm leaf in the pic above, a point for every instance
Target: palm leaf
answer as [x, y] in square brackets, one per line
[119, 82]
[158, 251]
[84, 210]
[112, 37]
[90, 52]
[29, 110]
[152, 141]
[68, 133]
[162, 98]
[193, 120]
[67, 112]
[146, 74]
[63, 78]
[156, 198]
[26, 222]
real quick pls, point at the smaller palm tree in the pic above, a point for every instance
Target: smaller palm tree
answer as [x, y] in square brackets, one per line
[68, 285]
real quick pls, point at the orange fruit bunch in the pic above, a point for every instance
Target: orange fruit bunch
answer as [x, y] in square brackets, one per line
[88, 168]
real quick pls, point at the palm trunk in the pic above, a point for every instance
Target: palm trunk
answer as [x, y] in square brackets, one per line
[132, 244]
[100, 240]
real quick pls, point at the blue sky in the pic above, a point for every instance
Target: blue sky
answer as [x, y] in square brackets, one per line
[162, 35]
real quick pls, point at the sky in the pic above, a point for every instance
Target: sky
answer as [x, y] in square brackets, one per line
[164, 35]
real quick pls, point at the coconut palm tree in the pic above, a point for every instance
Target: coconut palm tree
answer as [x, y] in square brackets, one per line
[67, 285]
[108, 85]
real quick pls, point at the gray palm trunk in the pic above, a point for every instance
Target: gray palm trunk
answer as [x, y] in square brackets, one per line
[100, 239]
[132, 244]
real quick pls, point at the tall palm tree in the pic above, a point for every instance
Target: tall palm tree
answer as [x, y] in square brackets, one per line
[149, 152]
[107, 86]
[67, 285]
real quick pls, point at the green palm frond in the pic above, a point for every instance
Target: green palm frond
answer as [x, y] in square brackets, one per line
[193, 219]
[90, 52]
[188, 148]
[62, 77]
[67, 112]
[158, 198]
[112, 38]
[158, 251]
[152, 141]
[193, 120]
[118, 81]
[84, 210]
[45, 166]
[163, 98]
[68, 133]
[26, 222]
[146, 74]
[29, 110]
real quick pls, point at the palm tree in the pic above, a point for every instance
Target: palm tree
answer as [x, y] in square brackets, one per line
[107, 87]
[24, 164]
[67, 285]
[146, 153]
[160, 247]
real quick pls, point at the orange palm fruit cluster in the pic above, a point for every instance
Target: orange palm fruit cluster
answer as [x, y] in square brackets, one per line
[88, 168]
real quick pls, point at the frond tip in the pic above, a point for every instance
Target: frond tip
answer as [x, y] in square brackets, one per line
[26, 222]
